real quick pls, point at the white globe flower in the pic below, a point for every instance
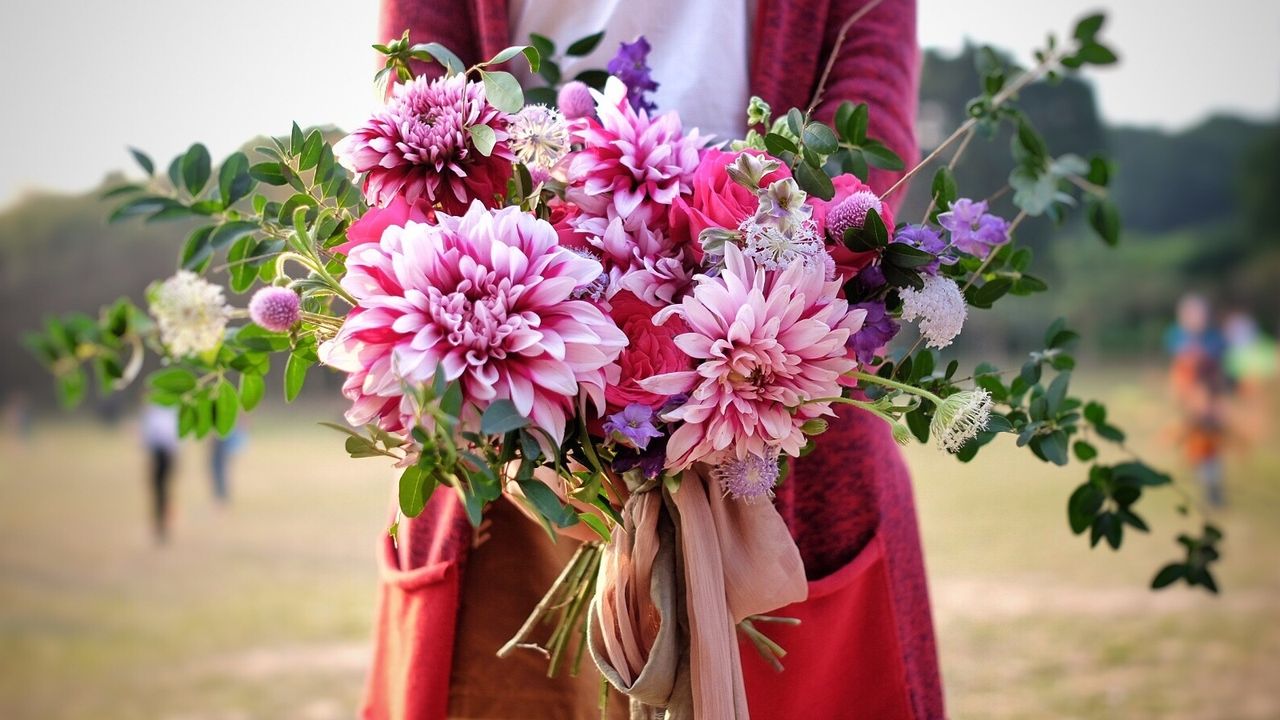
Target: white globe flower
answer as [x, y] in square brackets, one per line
[191, 312]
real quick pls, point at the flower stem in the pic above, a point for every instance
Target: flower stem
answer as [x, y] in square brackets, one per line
[835, 52]
[911, 389]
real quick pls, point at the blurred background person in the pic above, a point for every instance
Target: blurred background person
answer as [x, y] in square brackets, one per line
[1251, 363]
[160, 439]
[220, 451]
[1199, 386]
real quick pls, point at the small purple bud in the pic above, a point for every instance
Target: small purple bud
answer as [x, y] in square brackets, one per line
[575, 101]
[851, 213]
[275, 308]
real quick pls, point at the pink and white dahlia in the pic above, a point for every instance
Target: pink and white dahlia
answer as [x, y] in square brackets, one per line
[486, 299]
[420, 146]
[638, 255]
[767, 345]
[628, 159]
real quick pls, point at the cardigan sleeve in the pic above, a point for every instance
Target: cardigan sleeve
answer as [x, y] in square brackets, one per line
[879, 64]
[448, 22]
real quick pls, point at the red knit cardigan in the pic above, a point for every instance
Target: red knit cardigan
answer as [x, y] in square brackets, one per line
[864, 492]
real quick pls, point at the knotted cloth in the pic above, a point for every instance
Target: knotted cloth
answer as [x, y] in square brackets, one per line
[685, 567]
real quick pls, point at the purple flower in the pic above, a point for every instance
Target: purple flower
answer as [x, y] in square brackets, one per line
[633, 427]
[649, 461]
[275, 308]
[878, 328]
[973, 229]
[868, 280]
[748, 478]
[923, 237]
[630, 66]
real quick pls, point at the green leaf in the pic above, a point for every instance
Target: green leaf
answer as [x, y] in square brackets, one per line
[593, 78]
[1054, 447]
[1057, 392]
[1096, 54]
[228, 232]
[416, 487]
[234, 181]
[820, 139]
[1104, 218]
[252, 388]
[549, 70]
[795, 121]
[1168, 575]
[596, 523]
[545, 47]
[443, 55]
[269, 173]
[906, 256]
[880, 156]
[144, 161]
[583, 46]
[501, 417]
[484, 138]
[295, 373]
[197, 250]
[1083, 506]
[813, 180]
[854, 127]
[196, 167]
[530, 53]
[310, 154]
[173, 380]
[503, 91]
[1084, 451]
[548, 503]
[226, 403]
[778, 144]
[1089, 26]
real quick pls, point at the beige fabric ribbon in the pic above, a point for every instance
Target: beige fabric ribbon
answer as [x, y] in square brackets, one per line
[676, 578]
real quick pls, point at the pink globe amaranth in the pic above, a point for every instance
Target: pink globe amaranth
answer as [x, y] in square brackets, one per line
[629, 160]
[575, 101]
[766, 344]
[852, 213]
[419, 146]
[486, 299]
[275, 308]
[847, 262]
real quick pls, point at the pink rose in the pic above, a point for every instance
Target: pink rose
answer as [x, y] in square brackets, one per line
[848, 262]
[369, 228]
[716, 200]
[651, 350]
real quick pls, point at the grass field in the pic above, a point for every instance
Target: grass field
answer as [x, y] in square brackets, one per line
[262, 610]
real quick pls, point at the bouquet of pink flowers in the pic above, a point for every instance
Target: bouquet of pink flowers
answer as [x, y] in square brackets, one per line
[624, 326]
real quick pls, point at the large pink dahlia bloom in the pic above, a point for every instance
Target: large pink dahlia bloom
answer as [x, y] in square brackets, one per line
[766, 345]
[628, 159]
[484, 298]
[419, 146]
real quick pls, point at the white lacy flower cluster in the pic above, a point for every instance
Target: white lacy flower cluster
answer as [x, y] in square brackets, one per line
[781, 232]
[191, 312]
[940, 308]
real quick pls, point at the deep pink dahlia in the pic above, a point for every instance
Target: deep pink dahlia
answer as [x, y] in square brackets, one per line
[419, 146]
[766, 345]
[485, 298]
[630, 160]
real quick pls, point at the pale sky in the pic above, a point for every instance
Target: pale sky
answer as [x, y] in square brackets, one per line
[83, 79]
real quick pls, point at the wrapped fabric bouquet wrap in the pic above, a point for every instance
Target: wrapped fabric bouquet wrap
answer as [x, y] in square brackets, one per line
[625, 327]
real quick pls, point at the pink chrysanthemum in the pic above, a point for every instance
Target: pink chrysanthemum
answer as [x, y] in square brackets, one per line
[629, 159]
[420, 146]
[484, 298]
[275, 308]
[767, 344]
[638, 254]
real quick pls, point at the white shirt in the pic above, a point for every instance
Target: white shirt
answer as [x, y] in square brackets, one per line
[698, 50]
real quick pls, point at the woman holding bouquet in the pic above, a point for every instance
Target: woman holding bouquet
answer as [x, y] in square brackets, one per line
[865, 647]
